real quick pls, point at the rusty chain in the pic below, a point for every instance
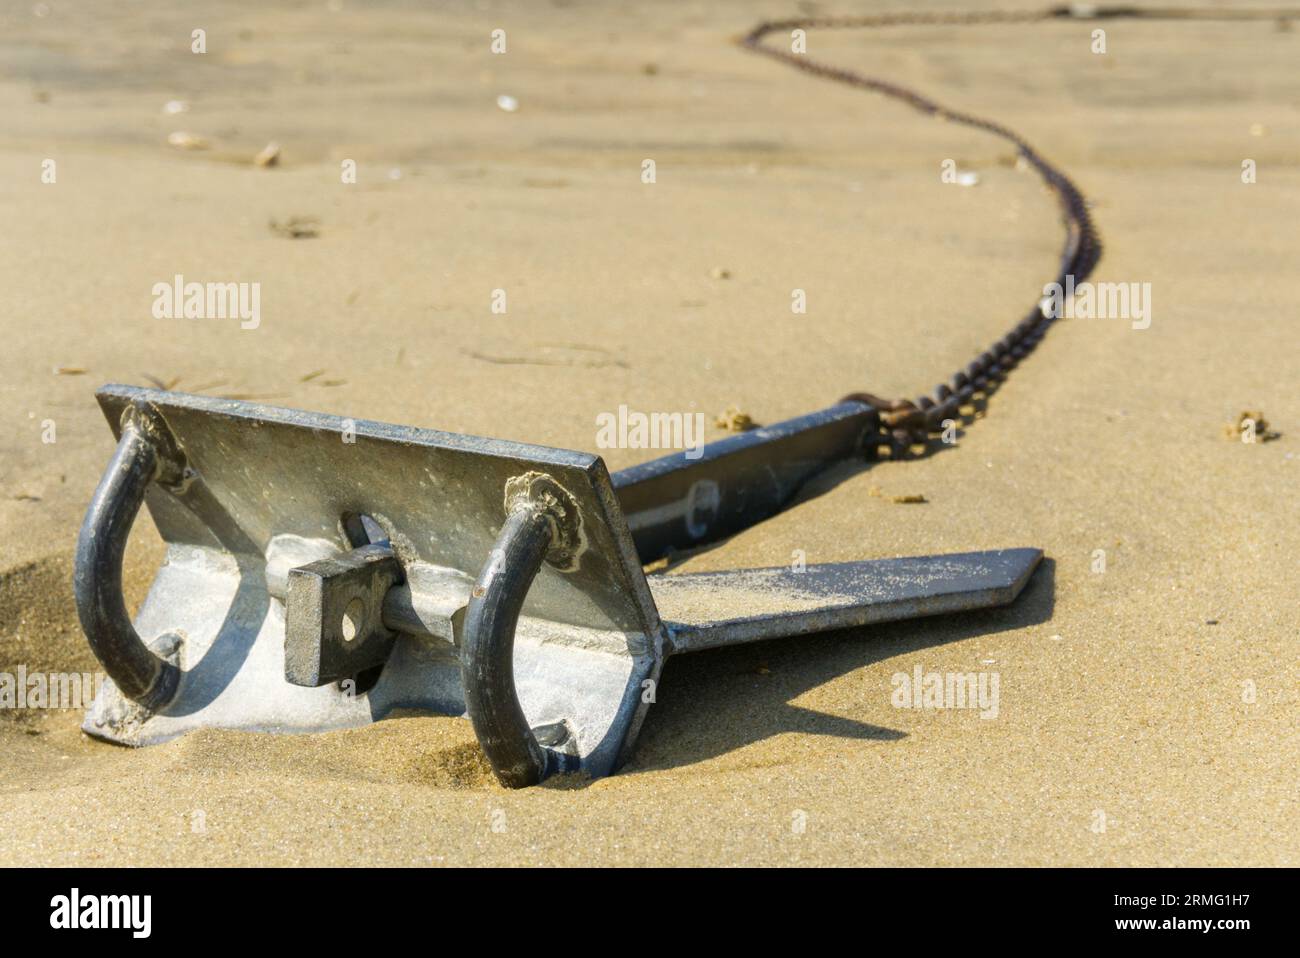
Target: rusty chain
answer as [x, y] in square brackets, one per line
[909, 422]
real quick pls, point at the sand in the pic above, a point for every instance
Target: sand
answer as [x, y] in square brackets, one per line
[1123, 693]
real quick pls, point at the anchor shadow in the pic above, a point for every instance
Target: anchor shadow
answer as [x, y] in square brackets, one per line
[716, 702]
[206, 679]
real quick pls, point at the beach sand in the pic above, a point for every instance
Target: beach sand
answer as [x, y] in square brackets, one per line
[1158, 697]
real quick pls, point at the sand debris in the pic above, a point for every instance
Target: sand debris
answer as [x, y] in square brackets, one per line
[203, 387]
[269, 155]
[734, 420]
[1250, 423]
[553, 354]
[187, 141]
[905, 499]
[296, 227]
[159, 382]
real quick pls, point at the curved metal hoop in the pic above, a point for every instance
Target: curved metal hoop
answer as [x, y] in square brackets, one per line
[146, 453]
[487, 650]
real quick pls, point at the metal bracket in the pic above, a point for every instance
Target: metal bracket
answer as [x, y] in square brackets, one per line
[509, 586]
[333, 618]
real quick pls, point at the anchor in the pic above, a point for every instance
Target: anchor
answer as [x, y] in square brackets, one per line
[322, 572]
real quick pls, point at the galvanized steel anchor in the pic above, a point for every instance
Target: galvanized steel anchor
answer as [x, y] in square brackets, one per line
[322, 572]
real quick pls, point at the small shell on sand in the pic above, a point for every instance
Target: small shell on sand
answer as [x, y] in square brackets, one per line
[187, 141]
[269, 155]
[507, 103]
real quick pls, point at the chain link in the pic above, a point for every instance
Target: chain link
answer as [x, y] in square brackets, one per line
[908, 422]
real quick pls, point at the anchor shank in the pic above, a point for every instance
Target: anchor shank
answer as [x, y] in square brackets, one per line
[697, 496]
